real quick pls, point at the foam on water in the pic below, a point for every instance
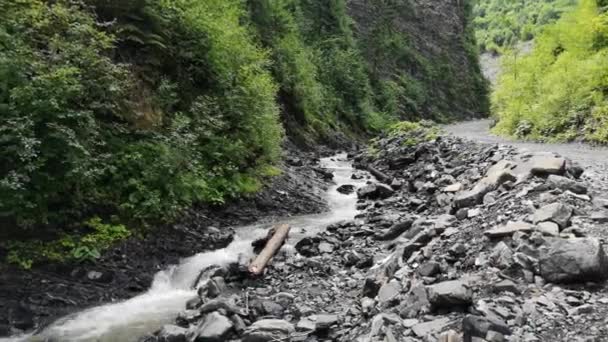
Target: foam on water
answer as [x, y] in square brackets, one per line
[172, 288]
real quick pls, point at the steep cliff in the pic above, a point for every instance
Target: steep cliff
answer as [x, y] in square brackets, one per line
[427, 48]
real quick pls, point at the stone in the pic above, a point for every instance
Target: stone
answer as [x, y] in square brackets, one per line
[215, 287]
[416, 302]
[172, 333]
[453, 188]
[449, 294]
[346, 189]
[395, 231]
[306, 324]
[432, 327]
[555, 212]
[477, 326]
[542, 165]
[389, 292]
[506, 285]
[599, 217]
[573, 260]
[213, 328]
[494, 336]
[548, 228]
[465, 199]
[375, 191]
[509, 229]
[566, 184]
[500, 173]
[326, 247]
[226, 304]
[324, 321]
[267, 330]
[429, 269]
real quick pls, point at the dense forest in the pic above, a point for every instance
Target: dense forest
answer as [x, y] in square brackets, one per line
[560, 90]
[503, 23]
[119, 114]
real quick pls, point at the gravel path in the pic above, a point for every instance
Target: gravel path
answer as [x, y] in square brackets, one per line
[594, 159]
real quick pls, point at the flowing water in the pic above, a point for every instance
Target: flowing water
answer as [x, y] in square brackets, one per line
[172, 288]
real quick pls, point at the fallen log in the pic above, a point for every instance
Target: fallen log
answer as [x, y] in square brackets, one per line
[382, 177]
[272, 246]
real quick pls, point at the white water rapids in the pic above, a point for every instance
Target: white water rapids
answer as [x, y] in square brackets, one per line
[130, 319]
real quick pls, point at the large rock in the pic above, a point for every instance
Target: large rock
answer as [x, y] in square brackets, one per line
[573, 260]
[474, 196]
[543, 165]
[477, 326]
[214, 328]
[172, 333]
[501, 172]
[509, 229]
[449, 294]
[565, 184]
[375, 191]
[267, 330]
[556, 212]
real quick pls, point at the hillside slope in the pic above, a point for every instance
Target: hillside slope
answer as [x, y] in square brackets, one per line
[423, 51]
[122, 114]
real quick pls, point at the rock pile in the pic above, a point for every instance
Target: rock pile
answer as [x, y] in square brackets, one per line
[460, 242]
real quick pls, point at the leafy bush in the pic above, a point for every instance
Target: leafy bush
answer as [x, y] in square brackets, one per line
[68, 248]
[560, 90]
[503, 23]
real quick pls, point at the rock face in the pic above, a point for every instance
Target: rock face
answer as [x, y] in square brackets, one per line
[574, 260]
[268, 330]
[437, 29]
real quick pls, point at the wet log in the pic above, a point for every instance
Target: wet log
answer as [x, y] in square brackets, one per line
[381, 176]
[272, 246]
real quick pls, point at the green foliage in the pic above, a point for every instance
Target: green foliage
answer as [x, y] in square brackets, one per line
[139, 109]
[560, 90]
[502, 23]
[68, 248]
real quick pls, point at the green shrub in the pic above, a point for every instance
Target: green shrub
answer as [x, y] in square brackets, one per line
[558, 91]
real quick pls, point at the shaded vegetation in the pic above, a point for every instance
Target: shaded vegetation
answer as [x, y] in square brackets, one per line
[560, 91]
[123, 113]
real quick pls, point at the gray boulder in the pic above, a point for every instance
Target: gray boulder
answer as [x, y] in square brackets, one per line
[543, 165]
[375, 191]
[474, 196]
[478, 327]
[555, 212]
[449, 294]
[213, 328]
[172, 333]
[573, 260]
[565, 184]
[267, 330]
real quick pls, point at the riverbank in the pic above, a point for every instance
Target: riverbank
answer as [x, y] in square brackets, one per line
[32, 299]
[464, 241]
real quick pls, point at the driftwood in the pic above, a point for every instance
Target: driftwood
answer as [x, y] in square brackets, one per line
[272, 246]
[382, 177]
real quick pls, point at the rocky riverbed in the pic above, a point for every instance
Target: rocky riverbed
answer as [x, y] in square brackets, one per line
[32, 299]
[460, 241]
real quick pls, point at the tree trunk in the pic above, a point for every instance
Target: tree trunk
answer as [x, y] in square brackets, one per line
[257, 266]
